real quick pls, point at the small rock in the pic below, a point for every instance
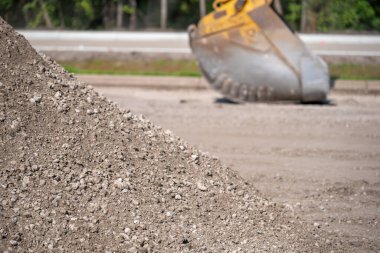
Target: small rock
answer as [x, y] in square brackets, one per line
[13, 242]
[177, 197]
[58, 94]
[25, 181]
[128, 115]
[124, 236]
[127, 231]
[119, 183]
[240, 193]
[15, 125]
[36, 98]
[201, 186]
[194, 157]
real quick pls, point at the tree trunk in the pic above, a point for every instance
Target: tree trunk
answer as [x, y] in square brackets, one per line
[119, 14]
[112, 14]
[148, 17]
[61, 16]
[106, 19]
[164, 14]
[202, 7]
[304, 18]
[278, 7]
[312, 22]
[309, 19]
[45, 14]
[133, 16]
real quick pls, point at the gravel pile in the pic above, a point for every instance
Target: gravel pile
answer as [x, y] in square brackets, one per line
[78, 174]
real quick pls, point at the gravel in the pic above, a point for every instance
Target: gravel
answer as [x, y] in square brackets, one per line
[79, 174]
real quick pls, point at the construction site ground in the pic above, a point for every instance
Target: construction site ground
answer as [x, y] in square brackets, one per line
[321, 161]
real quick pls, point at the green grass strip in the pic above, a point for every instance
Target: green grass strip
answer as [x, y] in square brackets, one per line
[76, 70]
[189, 68]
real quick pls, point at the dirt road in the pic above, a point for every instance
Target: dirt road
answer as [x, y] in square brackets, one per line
[321, 162]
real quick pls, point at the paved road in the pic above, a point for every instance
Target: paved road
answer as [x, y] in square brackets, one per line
[177, 43]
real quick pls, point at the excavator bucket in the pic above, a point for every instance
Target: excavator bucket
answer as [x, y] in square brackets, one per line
[246, 52]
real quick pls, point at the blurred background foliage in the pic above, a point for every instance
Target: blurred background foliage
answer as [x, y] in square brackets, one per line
[302, 15]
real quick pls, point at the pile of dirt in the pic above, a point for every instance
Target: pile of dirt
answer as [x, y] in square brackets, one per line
[79, 174]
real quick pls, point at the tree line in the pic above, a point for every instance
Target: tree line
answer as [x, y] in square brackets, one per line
[302, 15]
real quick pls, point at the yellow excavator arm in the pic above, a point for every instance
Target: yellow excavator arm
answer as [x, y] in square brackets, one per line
[229, 14]
[247, 53]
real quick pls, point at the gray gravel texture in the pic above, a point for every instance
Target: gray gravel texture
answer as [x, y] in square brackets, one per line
[79, 174]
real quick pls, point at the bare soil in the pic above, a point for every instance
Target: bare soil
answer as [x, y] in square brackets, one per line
[322, 162]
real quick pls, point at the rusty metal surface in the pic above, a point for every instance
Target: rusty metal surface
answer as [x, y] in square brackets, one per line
[276, 65]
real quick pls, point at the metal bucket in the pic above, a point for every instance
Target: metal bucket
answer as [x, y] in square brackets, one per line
[274, 65]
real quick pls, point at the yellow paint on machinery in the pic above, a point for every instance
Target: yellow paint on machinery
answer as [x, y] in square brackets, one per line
[228, 16]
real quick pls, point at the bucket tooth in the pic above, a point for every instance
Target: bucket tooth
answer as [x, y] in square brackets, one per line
[219, 81]
[234, 90]
[243, 92]
[227, 86]
[251, 94]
